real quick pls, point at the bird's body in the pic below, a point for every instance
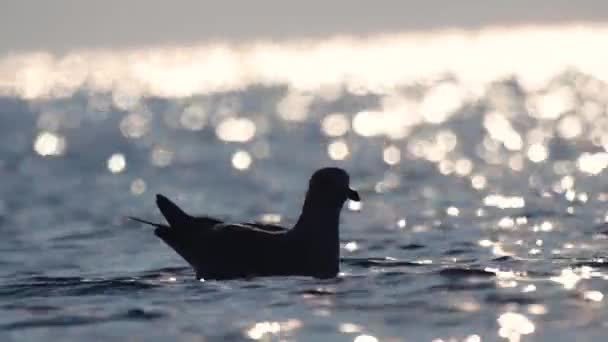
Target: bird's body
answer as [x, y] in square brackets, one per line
[219, 250]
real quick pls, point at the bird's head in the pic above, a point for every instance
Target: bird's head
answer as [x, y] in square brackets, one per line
[332, 184]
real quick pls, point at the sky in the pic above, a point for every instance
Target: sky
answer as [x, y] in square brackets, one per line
[59, 26]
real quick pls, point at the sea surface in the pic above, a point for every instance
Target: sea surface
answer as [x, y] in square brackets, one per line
[483, 215]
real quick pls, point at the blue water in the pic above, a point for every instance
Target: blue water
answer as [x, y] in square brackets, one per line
[468, 239]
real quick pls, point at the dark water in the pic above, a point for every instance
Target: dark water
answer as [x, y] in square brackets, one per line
[480, 222]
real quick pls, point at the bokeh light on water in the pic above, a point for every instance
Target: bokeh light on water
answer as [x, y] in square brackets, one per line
[481, 158]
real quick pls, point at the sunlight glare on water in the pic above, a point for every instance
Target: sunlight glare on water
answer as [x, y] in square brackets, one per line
[117, 163]
[335, 125]
[513, 325]
[50, 144]
[236, 130]
[365, 338]
[215, 68]
[241, 160]
[337, 150]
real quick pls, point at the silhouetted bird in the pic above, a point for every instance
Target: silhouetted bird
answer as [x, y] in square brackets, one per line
[218, 250]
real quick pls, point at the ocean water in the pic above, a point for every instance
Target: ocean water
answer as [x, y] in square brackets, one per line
[483, 216]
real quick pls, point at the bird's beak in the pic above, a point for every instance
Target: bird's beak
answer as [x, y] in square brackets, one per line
[353, 195]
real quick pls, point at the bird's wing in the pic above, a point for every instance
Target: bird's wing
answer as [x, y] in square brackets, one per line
[238, 250]
[248, 227]
[268, 227]
[177, 218]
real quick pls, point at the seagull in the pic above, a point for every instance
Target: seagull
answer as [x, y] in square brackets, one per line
[221, 251]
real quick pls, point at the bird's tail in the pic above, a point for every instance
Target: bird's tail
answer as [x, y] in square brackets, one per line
[137, 219]
[174, 215]
[172, 237]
